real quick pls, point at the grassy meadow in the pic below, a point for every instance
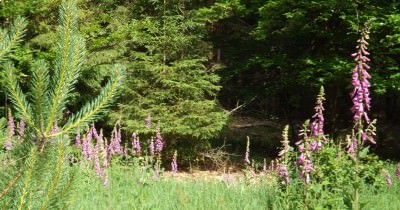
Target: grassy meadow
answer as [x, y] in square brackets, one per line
[127, 190]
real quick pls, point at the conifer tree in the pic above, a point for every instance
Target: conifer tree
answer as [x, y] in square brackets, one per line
[36, 172]
[168, 76]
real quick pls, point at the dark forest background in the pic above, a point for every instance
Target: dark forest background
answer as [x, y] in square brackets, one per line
[213, 72]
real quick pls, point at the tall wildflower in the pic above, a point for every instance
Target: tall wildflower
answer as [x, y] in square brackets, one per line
[360, 93]
[97, 167]
[11, 131]
[398, 170]
[151, 147]
[363, 130]
[136, 148]
[305, 157]
[115, 141]
[317, 123]
[87, 150]
[283, 173]
[21, 129]
[159, 140]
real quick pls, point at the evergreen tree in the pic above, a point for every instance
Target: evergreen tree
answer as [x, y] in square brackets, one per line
[36, 172]
[169, 78]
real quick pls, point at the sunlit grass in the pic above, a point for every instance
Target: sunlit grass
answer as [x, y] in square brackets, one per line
[128, 190]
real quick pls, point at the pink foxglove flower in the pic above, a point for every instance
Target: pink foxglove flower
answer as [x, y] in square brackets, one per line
[159, 140]
[305, 149]
[21, 129]
[97, 167]
[115, 141]
[283, 174]
[11, 131]
[317, 124]
[136, 144]
[360, 93]
[151, 147]
[87, 150]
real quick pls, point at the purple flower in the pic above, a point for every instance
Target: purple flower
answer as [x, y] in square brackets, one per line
[360, 80]
[317, 124]
[159, 140]
[305, 149]
[352, 145]
[95, 134]
[21, 128]
[87, 150]
[11, 131]
[283, 174]
[97, 168]
[151, 147]
[136, 144]
[115, 141]
[313, 146]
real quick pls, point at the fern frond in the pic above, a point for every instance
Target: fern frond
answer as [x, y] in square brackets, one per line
[96, 107]
[39, 90]
[17, 97]
[9, 39]
[70, 52]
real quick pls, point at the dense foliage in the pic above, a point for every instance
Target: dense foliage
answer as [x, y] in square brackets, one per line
[190, 61]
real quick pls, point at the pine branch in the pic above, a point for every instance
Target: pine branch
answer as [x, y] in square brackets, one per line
[39, 89]
[30, 162]
[10, 39]
[11, 184]
[66, 67]
[63, 195]
[56, 177]
[17, 97]
[94, 108]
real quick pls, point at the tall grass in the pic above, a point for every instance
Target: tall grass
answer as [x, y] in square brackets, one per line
[128, 191]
